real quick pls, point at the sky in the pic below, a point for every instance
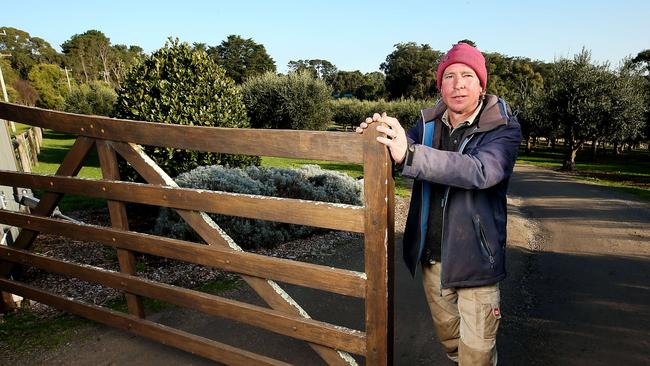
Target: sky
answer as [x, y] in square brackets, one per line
[353, 35]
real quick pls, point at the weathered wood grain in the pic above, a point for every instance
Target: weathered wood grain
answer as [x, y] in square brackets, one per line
[293, 211]
[204, 347]
[378, 254]
[335, 280]
[318, 145]
[117, 212]
[280, 322]
[268, 290]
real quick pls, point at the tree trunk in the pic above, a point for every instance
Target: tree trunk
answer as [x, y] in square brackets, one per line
[594, 148]
[83, 66]
[572, 150]
[617, 148]
[553, 142]
[570, 160]
[528, 148]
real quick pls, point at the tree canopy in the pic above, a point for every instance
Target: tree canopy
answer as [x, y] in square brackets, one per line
[319, 69]
[411, 71]
[588, 101]
[241, 58]
[294, 101]
[49, 81]
[368, 86]
[91, 57]
[26, 51]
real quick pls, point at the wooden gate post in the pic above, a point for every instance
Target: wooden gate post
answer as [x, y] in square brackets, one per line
[379, 249]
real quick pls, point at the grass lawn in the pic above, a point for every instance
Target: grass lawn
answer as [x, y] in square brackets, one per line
[20, 128]
[54, 149]
[402, 188]
[629, 172]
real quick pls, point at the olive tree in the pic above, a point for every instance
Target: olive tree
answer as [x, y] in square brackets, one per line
[296, 101]
[590, 101]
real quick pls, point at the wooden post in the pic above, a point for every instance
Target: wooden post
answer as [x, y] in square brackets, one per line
[110, 171]
[379, 248]
[31, 138]
[22, 153]
[70, 166]
[38, 133]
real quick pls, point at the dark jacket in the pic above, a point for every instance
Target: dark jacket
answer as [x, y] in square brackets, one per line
[475, 182]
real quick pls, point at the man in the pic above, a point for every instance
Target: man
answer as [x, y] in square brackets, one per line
[461, 154]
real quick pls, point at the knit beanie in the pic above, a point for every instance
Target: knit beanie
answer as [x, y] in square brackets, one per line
[464, 54]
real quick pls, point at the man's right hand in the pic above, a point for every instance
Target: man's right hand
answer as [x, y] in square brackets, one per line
[394, 136]
[364, 125]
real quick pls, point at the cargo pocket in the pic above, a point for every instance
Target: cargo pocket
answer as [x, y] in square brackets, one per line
[488, 312]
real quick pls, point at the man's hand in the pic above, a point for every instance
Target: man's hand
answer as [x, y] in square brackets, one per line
[395, 138]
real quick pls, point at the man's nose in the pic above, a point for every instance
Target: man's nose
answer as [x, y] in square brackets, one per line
[459, 83]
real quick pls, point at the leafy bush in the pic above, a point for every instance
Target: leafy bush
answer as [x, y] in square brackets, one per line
[96, 98]
[296, 101]
[50, 83]
[181, 85]
[351, 112]
[309, 182]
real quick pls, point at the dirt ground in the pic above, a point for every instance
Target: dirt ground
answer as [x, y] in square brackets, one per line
[577, 293]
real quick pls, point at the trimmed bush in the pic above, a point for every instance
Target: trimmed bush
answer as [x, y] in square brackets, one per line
[96, 98]
[351, 111]
[296, 101]
[309, 182]
[181, 85]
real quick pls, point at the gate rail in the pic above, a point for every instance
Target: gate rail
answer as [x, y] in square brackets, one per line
[112, 136]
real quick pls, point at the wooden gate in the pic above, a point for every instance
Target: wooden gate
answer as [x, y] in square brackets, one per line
[333, 343]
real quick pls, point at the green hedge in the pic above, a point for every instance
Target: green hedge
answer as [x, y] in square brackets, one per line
[349, 112]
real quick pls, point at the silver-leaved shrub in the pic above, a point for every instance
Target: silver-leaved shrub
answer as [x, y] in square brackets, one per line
[310, 182]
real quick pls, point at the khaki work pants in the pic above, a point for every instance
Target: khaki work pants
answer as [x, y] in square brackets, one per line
[465, 319]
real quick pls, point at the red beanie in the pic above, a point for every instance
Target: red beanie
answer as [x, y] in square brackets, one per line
[464, 54]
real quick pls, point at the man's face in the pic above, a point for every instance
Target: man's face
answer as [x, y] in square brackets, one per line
[460, 88]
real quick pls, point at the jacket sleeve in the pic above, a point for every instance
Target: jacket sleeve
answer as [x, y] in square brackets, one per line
[479, 167]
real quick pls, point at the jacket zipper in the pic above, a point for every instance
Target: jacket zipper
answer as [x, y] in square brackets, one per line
[424, 127]
[482, 239]
[444, 208]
